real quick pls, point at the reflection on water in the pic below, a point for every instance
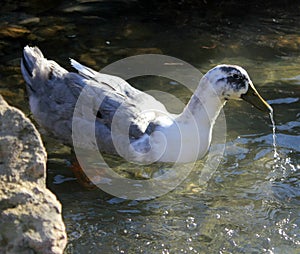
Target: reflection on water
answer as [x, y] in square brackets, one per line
[251, 203]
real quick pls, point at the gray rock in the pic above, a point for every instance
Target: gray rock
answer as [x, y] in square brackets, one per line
[30, 215]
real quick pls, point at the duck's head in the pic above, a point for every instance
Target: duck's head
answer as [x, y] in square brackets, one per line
[233, 82]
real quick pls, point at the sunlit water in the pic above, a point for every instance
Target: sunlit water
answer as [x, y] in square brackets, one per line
[251, 202]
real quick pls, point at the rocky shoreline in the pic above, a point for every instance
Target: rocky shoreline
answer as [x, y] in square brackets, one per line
[30, 215]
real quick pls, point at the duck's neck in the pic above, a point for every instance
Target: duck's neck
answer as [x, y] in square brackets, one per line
[188, 137]
[204, 105]
[198, 118]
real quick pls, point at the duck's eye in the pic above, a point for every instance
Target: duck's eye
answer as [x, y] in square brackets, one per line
[235, 76]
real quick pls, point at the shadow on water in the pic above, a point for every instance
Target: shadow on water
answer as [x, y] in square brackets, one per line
[251, 203]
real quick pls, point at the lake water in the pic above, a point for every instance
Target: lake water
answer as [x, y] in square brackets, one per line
[251, 202]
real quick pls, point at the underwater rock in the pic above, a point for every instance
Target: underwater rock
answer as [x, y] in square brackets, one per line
[13, 31]
[30, 215]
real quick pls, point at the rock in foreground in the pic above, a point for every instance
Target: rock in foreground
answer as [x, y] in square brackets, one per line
[30, 215]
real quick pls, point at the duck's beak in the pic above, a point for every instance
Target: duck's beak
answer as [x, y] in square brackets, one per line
[254, 98]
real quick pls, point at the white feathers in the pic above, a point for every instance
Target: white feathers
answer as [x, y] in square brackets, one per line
[127, 113]
[83, 70]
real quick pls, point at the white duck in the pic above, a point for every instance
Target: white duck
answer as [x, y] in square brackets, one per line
[127, 121]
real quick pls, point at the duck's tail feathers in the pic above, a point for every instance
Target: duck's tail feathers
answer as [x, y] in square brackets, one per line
[31, 58]
[83, 70]
[37, 70]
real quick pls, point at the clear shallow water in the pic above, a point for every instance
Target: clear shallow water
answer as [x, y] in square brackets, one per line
[251, 203]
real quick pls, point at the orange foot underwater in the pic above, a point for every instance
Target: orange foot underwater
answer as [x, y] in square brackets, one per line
[81, 177]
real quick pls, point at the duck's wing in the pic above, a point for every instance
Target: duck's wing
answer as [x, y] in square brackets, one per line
[54, 94]
[131, 111]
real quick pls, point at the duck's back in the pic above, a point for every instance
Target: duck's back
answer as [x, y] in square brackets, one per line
[54, 93]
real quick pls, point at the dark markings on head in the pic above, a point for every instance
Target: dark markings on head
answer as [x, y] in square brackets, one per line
[239, 82]
[235, 78]
[228, 69]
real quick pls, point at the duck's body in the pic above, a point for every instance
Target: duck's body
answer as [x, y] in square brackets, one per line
[127, 121]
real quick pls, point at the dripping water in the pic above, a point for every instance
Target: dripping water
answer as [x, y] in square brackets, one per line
[283, 166]
[276, 155]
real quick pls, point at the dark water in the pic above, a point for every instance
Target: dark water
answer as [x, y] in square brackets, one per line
[251, 203]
